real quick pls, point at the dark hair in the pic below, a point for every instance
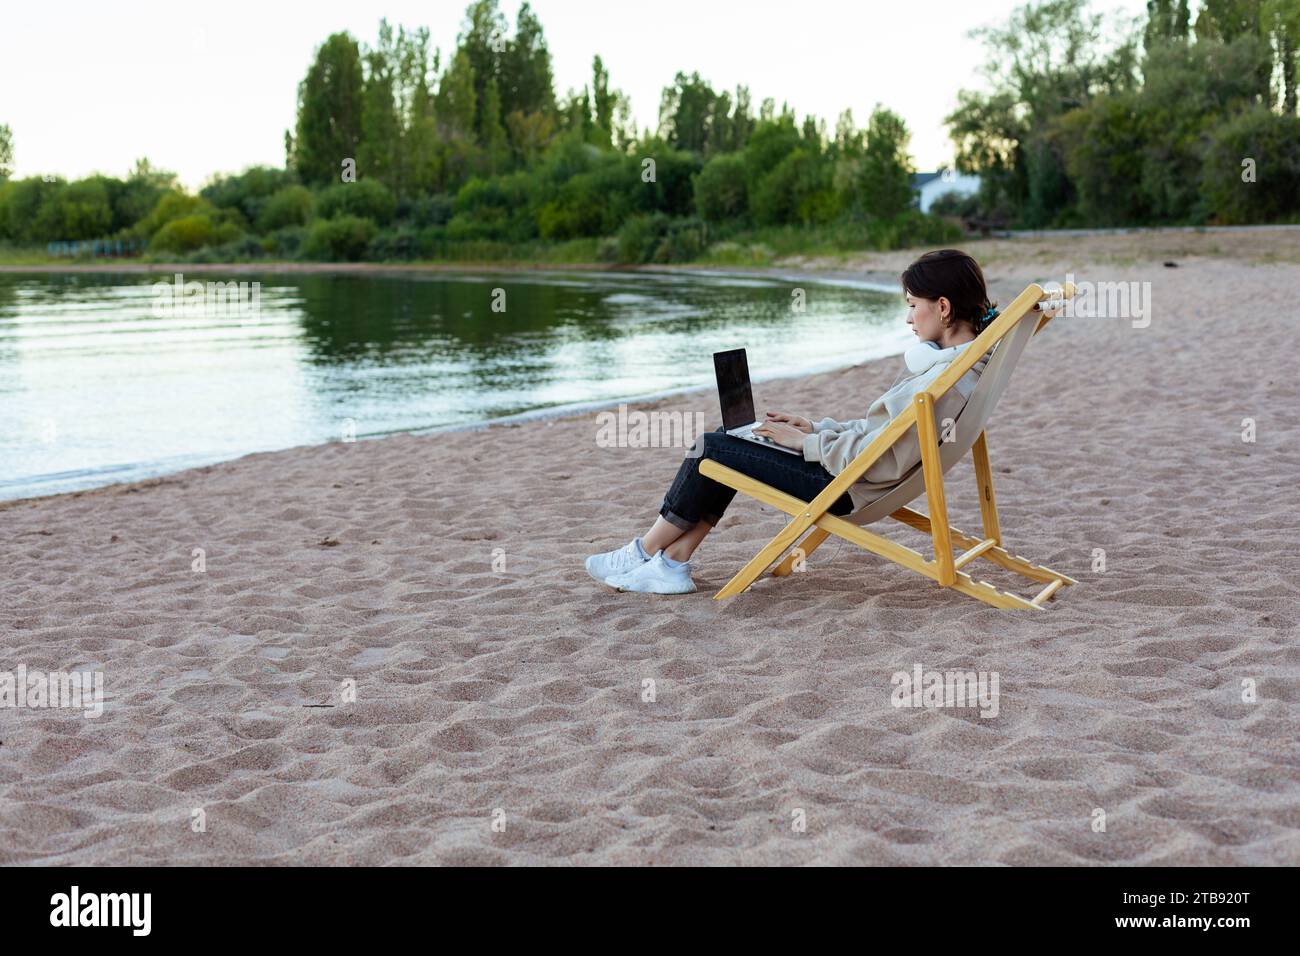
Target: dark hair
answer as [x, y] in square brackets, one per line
[957, 277]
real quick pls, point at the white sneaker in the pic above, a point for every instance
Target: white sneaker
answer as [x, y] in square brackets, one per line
[655, 577]
[611, 563]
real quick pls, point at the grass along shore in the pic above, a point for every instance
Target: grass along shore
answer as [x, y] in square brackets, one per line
[1054, 251]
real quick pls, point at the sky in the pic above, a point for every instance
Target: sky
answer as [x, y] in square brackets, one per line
[202, 88]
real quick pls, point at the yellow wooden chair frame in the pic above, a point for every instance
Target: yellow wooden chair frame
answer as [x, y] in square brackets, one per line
[944, 567]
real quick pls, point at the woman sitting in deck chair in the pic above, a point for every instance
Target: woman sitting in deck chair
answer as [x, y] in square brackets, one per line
[947, 307]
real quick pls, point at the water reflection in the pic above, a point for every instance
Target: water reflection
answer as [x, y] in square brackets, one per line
[98, 388]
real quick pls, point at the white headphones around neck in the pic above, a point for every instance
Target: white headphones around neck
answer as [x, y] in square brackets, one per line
[924, 355]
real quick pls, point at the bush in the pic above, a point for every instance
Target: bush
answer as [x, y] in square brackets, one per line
[396, 245]
[287, 243]
[736, 254]
[684, 241]
[20, 206]
[1104, 158]
[673, 191]
[796, 190]
[432, 241]
[955, 204]
[192, 232]
[607, 249]
[1272, 141]
[496, 208]
[596, 202]
[640, 236]
[342, 239]
[910, 229]
[771, 142]
[248, 192]
[291, 206]
[171, 205]
[79, 210]
[720, 191]
[659, 238]
[365, 199]
[430, 210]
[138, 195]
[243, 249]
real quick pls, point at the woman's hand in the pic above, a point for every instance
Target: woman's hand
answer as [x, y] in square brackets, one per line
[802, 424]
[782, 433]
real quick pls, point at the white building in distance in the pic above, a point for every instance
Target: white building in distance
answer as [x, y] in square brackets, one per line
[930, 186]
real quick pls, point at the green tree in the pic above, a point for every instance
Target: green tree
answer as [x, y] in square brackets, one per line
[291, 206]
[1104, 157]
[886, 180]
[380, 152]
[494, 155]
[329, 111]
[246, 192]
[772, 140]
[742, 120]
[456, 109]
[673, 190]
[1270, 143]
[1189, 90]
[366, 198]
[1047, 60]
[79, 210]
[190, 233]
[1166, 20]
[140, 194]
[525, 80]
[344, 239]
[483, 42]
[720, 191]
[575, 115]
[797, 190]
[1226, 21]
[686, 113]
[21, 202]
[604, 102]
[423, 169]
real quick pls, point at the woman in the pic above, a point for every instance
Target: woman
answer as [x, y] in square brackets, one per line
[947, 307]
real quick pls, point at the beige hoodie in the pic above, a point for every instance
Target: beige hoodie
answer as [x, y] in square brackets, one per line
[835, 444]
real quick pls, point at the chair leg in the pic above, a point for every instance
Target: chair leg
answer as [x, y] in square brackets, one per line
[804, 548]
[769, 553]
[927, 435]
[984, 479]
[756, 566]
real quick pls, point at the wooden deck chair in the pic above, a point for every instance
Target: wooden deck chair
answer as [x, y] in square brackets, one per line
[1007, 336]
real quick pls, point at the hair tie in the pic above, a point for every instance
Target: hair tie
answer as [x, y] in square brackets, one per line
[991, 314]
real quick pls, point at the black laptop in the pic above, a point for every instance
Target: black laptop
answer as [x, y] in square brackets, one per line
[732, 369]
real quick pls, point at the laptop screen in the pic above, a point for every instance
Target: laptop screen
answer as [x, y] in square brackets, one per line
[732, 370]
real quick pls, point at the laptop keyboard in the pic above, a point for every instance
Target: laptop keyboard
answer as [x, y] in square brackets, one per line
[747, 431]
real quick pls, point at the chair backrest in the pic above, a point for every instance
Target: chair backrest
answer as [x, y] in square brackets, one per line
[971, 420]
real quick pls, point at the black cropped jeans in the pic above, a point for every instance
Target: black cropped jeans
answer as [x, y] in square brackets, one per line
[694, 497]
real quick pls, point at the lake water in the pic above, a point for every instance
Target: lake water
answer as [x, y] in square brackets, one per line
[100, 382]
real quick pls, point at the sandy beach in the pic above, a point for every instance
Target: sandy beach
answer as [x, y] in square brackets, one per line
[500, 713]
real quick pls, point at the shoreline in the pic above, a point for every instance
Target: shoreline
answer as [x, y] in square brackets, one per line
[1019, 249]
[1002, 288]
[546, 413]
[551, 413]
[1003, 285]
[878, 280]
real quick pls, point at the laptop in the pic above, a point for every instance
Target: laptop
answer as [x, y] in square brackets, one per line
[732, 369]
